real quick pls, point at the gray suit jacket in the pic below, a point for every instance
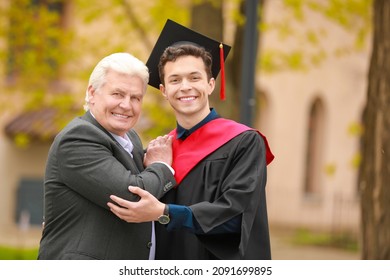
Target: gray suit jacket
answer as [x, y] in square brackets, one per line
[85, 166]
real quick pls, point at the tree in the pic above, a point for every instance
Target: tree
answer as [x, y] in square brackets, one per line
[374, 174]
[207, 18]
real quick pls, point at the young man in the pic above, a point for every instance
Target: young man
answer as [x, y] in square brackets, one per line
[218, 210]
[100, 154]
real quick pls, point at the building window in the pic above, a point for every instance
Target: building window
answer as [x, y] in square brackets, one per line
[34, 34]
[29, 203]
[314, 150]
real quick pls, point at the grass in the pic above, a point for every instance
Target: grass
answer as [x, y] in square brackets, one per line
[301, 237]
[9, 253]
[341, 240]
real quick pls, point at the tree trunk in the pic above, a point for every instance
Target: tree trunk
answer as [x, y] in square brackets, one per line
[374, 175]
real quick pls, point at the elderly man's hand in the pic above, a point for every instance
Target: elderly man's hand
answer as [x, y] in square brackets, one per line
[159, 150]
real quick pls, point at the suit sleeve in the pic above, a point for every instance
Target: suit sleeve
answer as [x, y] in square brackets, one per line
[92, 165]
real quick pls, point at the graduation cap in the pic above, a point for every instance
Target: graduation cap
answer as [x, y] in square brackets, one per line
[173, 34]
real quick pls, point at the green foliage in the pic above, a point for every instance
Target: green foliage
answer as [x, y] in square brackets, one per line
[268, 62]
[356, 160]
[42, 45]
[294, 60]
[22, 140]
[35, 38]
[309, 45]
[176, 10]
[237, 17]
[355, 129]
[296, 6]
[11, 253]
[330, 169]
[353, 15]
[317, 58]
[36, 43]
[336, 240]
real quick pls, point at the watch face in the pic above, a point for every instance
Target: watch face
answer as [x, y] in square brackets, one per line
[163, 219]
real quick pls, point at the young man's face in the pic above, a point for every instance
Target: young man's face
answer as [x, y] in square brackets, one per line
[116, 105]
[187, 89]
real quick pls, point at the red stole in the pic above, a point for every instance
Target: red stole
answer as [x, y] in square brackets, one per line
[205, 140]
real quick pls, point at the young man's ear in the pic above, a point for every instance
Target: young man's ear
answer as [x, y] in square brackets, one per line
[162, 89]
[212, 85]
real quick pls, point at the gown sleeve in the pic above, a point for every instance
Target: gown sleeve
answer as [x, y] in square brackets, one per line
[182, 218]
[241, 190]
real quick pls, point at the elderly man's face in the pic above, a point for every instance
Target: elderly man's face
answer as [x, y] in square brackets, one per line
[116, 105]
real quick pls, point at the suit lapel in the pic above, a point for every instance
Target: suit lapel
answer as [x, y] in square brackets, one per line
[138, 154]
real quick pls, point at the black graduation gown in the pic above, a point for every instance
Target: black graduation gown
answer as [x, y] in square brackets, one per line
[229, 182]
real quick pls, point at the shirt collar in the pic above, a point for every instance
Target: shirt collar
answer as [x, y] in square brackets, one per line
[125, 142]
[183, 133]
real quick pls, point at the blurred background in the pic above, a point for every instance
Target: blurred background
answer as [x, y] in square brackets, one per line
[298, 71]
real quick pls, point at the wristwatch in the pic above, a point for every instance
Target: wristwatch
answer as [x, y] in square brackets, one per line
[164, 218]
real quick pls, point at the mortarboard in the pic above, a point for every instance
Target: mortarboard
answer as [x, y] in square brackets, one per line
[173, 33]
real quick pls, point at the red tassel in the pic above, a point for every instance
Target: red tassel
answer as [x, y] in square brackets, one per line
[222, 62]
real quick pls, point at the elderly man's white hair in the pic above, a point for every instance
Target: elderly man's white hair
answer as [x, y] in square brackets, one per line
[121, 63]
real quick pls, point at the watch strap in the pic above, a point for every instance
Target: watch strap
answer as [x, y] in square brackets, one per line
[166, 210]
